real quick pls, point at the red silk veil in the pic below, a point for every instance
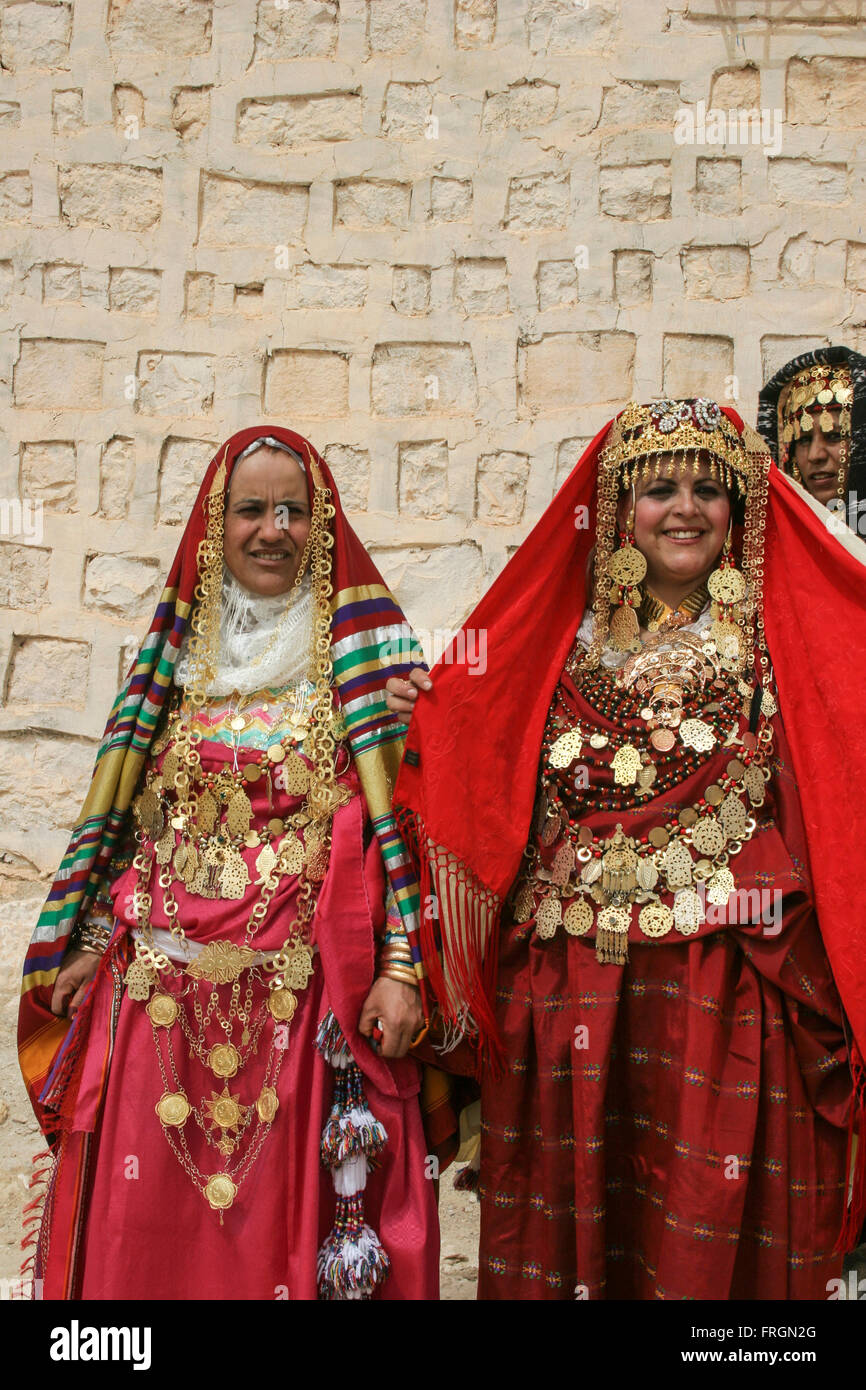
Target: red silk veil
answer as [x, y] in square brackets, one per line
[468, 779]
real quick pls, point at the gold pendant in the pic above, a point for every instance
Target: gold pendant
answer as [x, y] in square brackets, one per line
[206, 812]
[220, 1191]
[677, 864]
[224, 1110]
[563, 865]
[139, 980]
[282, 1004]
[626, 566]
[733, 816]
[655, 920]
[239, 813]
[165, 846]
[719, 887]
[291, 853]
[577, 918]
[697, 734]
[548, 918]
[297, 966]
[235, 877]
[267, 1105]
[189, 864]
[566, 748]
[753, 781]
[224, 1059]
[317, 862]
[611, 936]
[220, 962]
[294, 775]
[626, 765]
[265, 861]
[708, 837]
[619, 864]
[624, 629]
[727, 585]
[647, 875]
[173, 1109]
[170, 768]
[523, 900]
[162, 1010]
[688, 912]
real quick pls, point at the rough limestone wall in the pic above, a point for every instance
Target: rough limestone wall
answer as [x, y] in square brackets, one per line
[445, 238]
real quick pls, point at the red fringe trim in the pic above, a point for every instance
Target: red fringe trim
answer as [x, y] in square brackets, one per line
[31, 1216]
[469, 951]
[855, 1212]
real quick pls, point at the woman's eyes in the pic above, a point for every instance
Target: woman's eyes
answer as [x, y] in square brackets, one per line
[702, 490]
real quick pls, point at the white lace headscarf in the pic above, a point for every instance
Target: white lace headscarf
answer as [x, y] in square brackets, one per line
[249, 621]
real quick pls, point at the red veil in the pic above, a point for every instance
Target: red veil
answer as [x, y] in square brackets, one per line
[466, 788]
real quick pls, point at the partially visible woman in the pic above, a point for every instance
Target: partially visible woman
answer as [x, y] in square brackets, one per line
[642, 832]
[216, 1011]
[812, 414]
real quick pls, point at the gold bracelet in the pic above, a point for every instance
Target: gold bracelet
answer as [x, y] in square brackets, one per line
[401, 973]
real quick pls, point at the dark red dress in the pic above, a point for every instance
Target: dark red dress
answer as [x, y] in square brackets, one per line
[674, 1128]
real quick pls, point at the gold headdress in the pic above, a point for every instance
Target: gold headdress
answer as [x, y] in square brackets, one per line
[685, 432]
[816, 391]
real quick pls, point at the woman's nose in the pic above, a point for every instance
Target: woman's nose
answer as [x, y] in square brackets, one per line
[269, 529]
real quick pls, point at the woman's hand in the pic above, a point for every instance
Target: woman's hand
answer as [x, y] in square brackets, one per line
[399, 1008]
[401, 695]
[75, 974]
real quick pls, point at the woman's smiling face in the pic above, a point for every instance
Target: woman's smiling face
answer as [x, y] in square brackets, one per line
[680, 524]
[267, 521]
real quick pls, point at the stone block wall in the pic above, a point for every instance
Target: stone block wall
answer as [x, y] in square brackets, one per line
[444, 238]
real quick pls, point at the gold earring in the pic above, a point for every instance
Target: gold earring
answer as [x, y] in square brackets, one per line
[727, 589]
[626, 568]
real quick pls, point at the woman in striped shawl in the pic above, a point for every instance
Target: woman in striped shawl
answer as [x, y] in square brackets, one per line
[222, 987]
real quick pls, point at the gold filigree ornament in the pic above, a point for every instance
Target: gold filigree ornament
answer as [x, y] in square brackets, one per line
[523, 901]
[626, 764]
[655, 920]
[221, 962]
[139, 981]
[611, 935]
[697, 734]
[225, 1111]
[708, 837]
[548, 918]
[578, 918]
[720, 885]
[566, 748]
[688, 912]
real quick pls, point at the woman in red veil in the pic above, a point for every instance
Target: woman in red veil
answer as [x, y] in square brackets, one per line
[640, 839]
[222, 986]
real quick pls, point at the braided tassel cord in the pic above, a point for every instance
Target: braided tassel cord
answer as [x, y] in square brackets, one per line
[352, 1262]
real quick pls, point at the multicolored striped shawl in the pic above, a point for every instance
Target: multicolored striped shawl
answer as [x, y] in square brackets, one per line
[370, 641]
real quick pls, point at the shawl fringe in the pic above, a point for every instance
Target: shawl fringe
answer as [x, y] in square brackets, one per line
[855, 1166]
[460, 919]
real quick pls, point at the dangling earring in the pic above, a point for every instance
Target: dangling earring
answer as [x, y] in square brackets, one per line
[798, 476]
[727, 588]
[626, 568]
[842, 475]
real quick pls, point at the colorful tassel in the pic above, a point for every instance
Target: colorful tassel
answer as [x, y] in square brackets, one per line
[352, 1262]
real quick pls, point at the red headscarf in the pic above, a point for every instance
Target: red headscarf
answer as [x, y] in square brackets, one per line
[467, 786]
